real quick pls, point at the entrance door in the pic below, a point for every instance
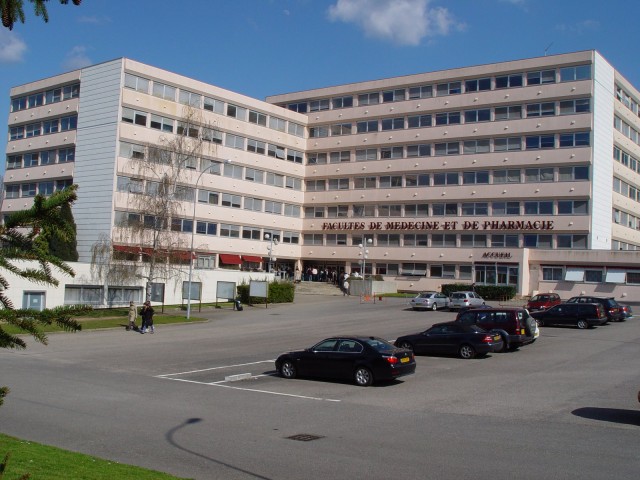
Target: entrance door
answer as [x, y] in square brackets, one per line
[33, 300]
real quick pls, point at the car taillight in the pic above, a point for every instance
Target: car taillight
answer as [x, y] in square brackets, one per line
[391, 360]
[487, 339]
[612, 311]
[466, 300]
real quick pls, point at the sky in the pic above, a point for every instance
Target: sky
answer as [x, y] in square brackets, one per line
[266, 47]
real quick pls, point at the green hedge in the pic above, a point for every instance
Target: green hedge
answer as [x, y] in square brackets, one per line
[278, 292]
[488, 292]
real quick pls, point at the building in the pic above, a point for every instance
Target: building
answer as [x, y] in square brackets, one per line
[520, 173]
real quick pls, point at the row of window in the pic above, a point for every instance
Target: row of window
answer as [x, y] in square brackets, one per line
[32, 189]
[627, 100]
[626, 219]
[452, 240]
[479, 177]
[513, 80]
[52, 125]
[546, 207]
[196, 100]
[513, 112]
[589, 275]
[618, 245]
[467, 147]
[624, 189]
[46, 97]
[627, 130]
[43, 157]
[626, 159]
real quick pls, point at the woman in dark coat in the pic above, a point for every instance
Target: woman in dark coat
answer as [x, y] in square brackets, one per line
[146, 313]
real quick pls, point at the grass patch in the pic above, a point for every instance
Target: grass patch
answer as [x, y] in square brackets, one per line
[400, 295]
[42, 461]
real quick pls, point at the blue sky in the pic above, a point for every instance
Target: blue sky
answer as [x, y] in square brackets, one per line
[265, 47]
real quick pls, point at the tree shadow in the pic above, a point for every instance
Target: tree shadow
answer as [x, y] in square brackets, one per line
[613, 415]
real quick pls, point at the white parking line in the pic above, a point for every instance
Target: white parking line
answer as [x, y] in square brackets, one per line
[215, 368]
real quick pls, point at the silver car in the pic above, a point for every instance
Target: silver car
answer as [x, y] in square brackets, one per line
[430, 301]
[465, 299]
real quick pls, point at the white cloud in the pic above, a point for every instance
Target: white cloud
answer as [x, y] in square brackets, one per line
[583, 26]
[12, 48]
[405, 22]
[76, 58]
[94, 19]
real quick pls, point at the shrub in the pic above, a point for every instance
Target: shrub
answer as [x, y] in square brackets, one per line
[278, 292]
[488, 292]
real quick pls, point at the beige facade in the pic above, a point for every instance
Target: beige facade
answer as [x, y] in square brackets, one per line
[520, 173]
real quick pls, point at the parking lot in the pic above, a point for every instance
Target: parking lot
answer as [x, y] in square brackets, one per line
[203, 401]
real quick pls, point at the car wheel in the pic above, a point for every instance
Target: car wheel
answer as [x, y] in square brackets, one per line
[406, 345]
[467, 352]
[288, 369]
[434, 307]
[505, 344]
[363, 377]
[582, 324]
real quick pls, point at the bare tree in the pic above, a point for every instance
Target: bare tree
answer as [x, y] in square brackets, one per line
[161, 197]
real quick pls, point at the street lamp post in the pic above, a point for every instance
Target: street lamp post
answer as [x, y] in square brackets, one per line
[364, 253]
[273, 241]
[193, 231]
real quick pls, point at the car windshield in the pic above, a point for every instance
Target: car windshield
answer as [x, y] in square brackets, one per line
[425, 295]
[379, 345]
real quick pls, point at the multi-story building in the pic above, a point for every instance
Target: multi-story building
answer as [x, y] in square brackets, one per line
[520, 173]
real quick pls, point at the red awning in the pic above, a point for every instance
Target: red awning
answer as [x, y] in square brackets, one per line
[251, 258]
[183, 255]
[127, 249]
[230, 259]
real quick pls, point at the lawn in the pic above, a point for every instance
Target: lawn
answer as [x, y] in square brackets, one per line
[42, 461]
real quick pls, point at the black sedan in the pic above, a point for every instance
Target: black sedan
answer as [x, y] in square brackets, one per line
[362, 359]
[452, 338]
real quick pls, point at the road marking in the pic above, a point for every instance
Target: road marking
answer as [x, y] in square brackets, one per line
[221, 384]
[214, 368]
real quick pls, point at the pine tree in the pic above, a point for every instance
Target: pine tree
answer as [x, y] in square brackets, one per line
[12, 11]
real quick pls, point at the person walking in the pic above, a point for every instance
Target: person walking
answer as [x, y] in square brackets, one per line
[146, 313]
[345, 287]
[133, 314]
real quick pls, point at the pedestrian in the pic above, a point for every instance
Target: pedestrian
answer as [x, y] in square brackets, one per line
[146, 313]
[133, 314]
[345, 287]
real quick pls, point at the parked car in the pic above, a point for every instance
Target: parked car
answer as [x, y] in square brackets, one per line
[626, 311]
[465, 299]
[464, 309]
[515, 325]
[612, 309]
[452, 338]
[542, 301]
[430, 301]
[582, 315]
[362, 359]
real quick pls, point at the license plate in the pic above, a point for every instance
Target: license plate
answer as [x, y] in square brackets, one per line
[496, 338]
[404, 360]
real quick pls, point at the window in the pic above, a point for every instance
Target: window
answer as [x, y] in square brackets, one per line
[315, 185]
[479, 177]
[571, 241]
[477, 208]
[339, 157]
[509, 81]
[296, 129]
[368, 126]
[342, 102]
[578, 139]
[582, 72]
[364, 182]
[293, 183]
[189, 98]
[505, 208]
[50, 126]
[397, 95]
[552, 273]
[541, 109]
[53, 96]
[62, 184]
[164, 91]
[214, 105]
[188, 130]
[423, 91]
[35, 100]
[85, 295]
[415, 240]
[234, 141]
[508, 113]
[449, 148]
[235, 111]
[276, 151]
[593, 276]
[249, 233]
[336, 239]
[388, 240]
[256, 146]
[46, 188]
[18, 104]
[450, 178]
[368, 154]
[569, 107]
[507, 144]
[291, 237]
[319, 132]
[538, 208]
[481, 115]
[451, 88]
[229, 200]
[131, 116]
[210, 166]
[31, 159]
[418, 121]
[318, 105]
[257, 118]
[207, 196]
[292, 210]
[273, 207]
[444, 209]
[12, 191]
[536, 241]
[29, 189]
[476, 146]
[389, 210]
[71, 91]
[34, 130]
[391, 152]
[573, 173]
[66, 155]
[229, 231]
[16, 133]
[539, 141]
[448, 118]
[477, 85]
[316, 158]
[369, 98]
[277, 124]
[423, 150]
[313, 239]
[314, 212]
[298, 107]
[391, 181]
[341, 129]
[392, 123]
[504, 241]
[15, 161]
[473, 240]
[541, 77]
[413, 269]
[275, 179]
[211, 135]
[538, 175]
[443, 240]
[361, 211]
[233, 171]
[253, 175]
[254, 204]
[416, 180]
[161, 123]
[338, 184]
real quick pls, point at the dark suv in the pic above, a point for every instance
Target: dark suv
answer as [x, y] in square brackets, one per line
[612, 309]
[515, 325]
[582, 315]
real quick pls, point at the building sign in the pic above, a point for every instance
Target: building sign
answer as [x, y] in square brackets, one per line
[500, 255]
[443, 225]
